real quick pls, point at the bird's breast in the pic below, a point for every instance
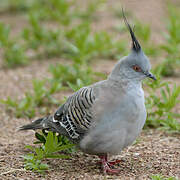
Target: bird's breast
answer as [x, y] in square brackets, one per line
[118, 123]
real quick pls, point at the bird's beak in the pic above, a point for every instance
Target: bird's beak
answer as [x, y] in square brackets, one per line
[150, 75]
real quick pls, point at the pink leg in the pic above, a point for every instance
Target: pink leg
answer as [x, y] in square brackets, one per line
[106, 166]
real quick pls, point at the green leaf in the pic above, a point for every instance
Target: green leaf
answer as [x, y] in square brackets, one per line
[29, 147]
[40, 137]
[56, 156]
[43, 166]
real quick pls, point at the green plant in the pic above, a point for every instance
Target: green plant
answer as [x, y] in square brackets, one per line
[83, 46]
[25, 107]
[15, 6]
[14, 55]
[71, 74]
[172, 45]
[41, 40]
[49, 149]
[160, 177]
[13, 52]
[60, 11]
[160, 108]
[65, 12]
[41, 95]
[89, 11]
[75, 42]
[106, 46]
[143, 32]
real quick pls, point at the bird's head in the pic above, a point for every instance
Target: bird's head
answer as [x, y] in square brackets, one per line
[135, 66]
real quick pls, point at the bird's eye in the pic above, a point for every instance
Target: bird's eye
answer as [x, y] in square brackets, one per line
[136, 68]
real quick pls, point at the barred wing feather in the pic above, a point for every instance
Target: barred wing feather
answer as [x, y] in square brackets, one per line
[75, 115]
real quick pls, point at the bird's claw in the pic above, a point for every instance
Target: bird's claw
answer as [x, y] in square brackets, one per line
[107, 166]
[107, 169]
[112, 163]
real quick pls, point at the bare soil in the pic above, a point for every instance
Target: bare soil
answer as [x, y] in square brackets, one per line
[155, 152]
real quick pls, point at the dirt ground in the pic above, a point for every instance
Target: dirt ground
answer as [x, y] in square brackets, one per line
[154, 153]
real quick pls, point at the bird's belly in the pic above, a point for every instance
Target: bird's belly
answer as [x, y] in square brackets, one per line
[115, 131]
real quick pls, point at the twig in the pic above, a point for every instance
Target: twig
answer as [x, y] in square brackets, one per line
[11, 171]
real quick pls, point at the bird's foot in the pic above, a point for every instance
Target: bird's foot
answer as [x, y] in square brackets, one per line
[107, 169]
[107, 166]
[112, 163]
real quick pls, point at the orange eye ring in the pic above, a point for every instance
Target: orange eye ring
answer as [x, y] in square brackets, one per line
[136, 68]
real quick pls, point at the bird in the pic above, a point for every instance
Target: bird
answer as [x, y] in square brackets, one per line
[104, 118]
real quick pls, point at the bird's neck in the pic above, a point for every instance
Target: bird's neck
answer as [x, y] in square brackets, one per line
[125, 83]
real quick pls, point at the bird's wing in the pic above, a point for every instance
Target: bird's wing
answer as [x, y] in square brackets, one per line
[75, 115]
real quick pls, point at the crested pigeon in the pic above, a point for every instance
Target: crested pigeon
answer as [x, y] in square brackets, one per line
[107, 116]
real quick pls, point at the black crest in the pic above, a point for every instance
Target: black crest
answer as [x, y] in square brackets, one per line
[135, 44]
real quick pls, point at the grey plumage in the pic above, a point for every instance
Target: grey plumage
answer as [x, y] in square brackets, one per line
[107, 116]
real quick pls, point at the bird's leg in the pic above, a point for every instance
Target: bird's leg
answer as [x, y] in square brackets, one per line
[106, 166]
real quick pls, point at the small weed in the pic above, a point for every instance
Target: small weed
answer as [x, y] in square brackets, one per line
[172, 45]
[43, 41]
[14, 6]
[63, 76]
[143, 32]
[22, 108]
[13, 53]
[160, 108]
[41, 95]
[73, 75]
[89, 12]
[77, 43]
[160, 177]
[65, 12]
[52, 144]
[84, 46]
[60, 11]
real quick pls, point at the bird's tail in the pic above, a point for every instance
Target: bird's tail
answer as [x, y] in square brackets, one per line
[41, 123]
[45, 123]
